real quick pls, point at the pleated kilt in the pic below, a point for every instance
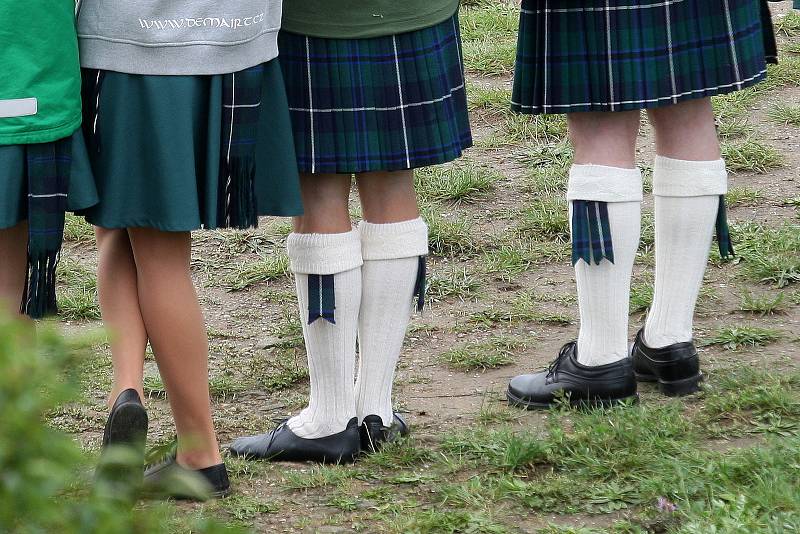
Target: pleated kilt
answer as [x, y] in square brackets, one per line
[615, 55]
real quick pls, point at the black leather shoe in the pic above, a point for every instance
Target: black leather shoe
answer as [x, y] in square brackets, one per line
[283, 445]
[602, 385]
[170, 480]
[119, 472]
[374, 435]
[676, 367]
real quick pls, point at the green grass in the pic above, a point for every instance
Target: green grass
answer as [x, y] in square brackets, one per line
[489, 31]
[745, 336]
[751, 155]
[525, 307]
[765, 304]
[461, 182]
[76, 229]
[508, 260]
[744, 196]
[449, 235]
[77, 294]
[785, 114]
[452, 282]
[250, 273]
[482, 355]
[788, 25]
[769, 254]
[545, 217]
[246, 508]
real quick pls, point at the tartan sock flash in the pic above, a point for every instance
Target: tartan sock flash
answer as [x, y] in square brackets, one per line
[332, 264]
[603, 281]
[392, 264]
[687, 203]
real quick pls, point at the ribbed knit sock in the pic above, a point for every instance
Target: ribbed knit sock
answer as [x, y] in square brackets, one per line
[392, 255]
[604, 288]
[331, 346]
[686, 205]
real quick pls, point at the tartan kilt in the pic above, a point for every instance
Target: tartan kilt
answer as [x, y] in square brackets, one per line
[616, 55]
[377, 104]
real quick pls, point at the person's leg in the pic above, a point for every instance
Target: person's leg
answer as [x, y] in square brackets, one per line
[176, 328]
[604, 177]
[119, 304]
[688, 178]
[325, 254]
[394, 244]
[14, 254]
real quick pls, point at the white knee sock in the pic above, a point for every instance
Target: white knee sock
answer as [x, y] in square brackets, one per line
[686, 204]
[331, 346]
[392, 255]
[604, 288]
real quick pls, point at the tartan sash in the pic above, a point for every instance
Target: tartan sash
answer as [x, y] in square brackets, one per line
[241, 109]
[591, 232]
[421, 283]
[723, 231]
[321, 298]
[48, 167]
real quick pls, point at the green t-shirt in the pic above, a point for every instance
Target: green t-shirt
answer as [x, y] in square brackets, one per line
[40, 97]
[358, 19]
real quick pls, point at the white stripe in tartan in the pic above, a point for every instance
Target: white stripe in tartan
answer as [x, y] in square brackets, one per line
[237, 106]
[546, 48]
[311, 107]
[607, 8]
[610, 61]
[229, 179]
[400, 94]
[448, 96]
[732, 41]
[671, 55]
[645, 101]
[48, 196]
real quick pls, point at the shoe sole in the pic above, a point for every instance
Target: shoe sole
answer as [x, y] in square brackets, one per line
[578, 403]
[674, 388]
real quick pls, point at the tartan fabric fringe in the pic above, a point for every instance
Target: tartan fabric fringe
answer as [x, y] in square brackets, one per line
[591, 232]
[39, 296]
[723, 231]
[321, 298]
[421, 285]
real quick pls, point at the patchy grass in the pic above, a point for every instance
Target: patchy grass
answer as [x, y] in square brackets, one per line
[265, 269]
[77, 230]
[460, 182]
[738, 337]
[769, 254]
[489, 32]
[785, 114]
[765, 304]
[750, 155]
[482, 355]
[744, 196]
[452, 282]
[449, 235]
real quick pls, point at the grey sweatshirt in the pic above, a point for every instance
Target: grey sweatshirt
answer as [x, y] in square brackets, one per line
[172, 37]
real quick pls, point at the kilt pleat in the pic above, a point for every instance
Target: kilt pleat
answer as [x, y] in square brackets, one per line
[377, 104]
[615, 55]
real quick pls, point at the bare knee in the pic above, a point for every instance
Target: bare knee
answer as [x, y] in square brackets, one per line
[325, 203]
[160, 255]
[388, 197]
[604, 138]
[686, 131]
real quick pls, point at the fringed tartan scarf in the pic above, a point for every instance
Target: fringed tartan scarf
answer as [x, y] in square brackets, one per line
[241, 111]
[48, 167]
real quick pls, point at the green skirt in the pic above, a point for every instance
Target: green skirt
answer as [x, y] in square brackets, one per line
[155, 148]
[14, 182]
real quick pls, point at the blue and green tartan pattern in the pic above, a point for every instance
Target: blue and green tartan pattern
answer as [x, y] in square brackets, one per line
[616, 55]
[48, 169]
[379, 104]
[321, 298]
[591, 232]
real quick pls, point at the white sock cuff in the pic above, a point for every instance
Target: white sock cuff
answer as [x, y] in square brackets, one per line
[604, 184]
[394, 240]
[680, 178]
[324, 253]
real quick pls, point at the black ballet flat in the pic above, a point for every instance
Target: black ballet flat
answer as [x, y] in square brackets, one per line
[375, 435]
[170, 480]
[283, 445]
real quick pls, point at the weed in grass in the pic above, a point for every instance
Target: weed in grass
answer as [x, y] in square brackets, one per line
[750, 155]
[785, 114]
[272, 267]
[508, 260]
[546, 181]
[283, 371]
[737, 337]
[496, 352]
[763, 304]
[492, 99]
[788, 25]
[554, 155]
[497, 450]
[400, 454]
[524, 308]
[452, 282]
[448, 236]
[545, 218]
[246, 508]
[225, 387]
[769, 254]
[76, 229]
[733, 126]
[318, 477]
[743, 196]
[489, 35]
[641, 297]
[460, 182]
[77, 299]
[434, 520]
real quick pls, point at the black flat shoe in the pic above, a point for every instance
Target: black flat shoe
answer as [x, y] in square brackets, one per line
[374, 435]
[676, 367]
[119, 472]
[283, 445]
[602, 385]
[170, 480]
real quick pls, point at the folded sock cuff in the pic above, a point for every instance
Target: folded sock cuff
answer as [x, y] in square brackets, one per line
[680, 178]
[324, 253]
[604, 184]
[394, 240]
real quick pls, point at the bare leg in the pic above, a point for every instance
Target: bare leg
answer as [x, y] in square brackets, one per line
[177, 332]
[388, 197]
[119, 304]
[604, 138]
[325, 201]
[686, 131]
[14, 254]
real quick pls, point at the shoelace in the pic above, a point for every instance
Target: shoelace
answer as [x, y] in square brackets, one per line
[562, 355]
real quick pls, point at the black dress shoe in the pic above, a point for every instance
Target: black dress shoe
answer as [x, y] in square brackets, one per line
[374, 435]
[283, 445]
[170, 480]
[602, 385]
[119, 472]
[675, 367]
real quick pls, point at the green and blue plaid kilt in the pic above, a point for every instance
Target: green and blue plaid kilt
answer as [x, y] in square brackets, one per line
[377, 104]
[615, 55]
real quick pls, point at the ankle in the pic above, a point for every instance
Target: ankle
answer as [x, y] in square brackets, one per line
[199, 459]
[117, 389]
